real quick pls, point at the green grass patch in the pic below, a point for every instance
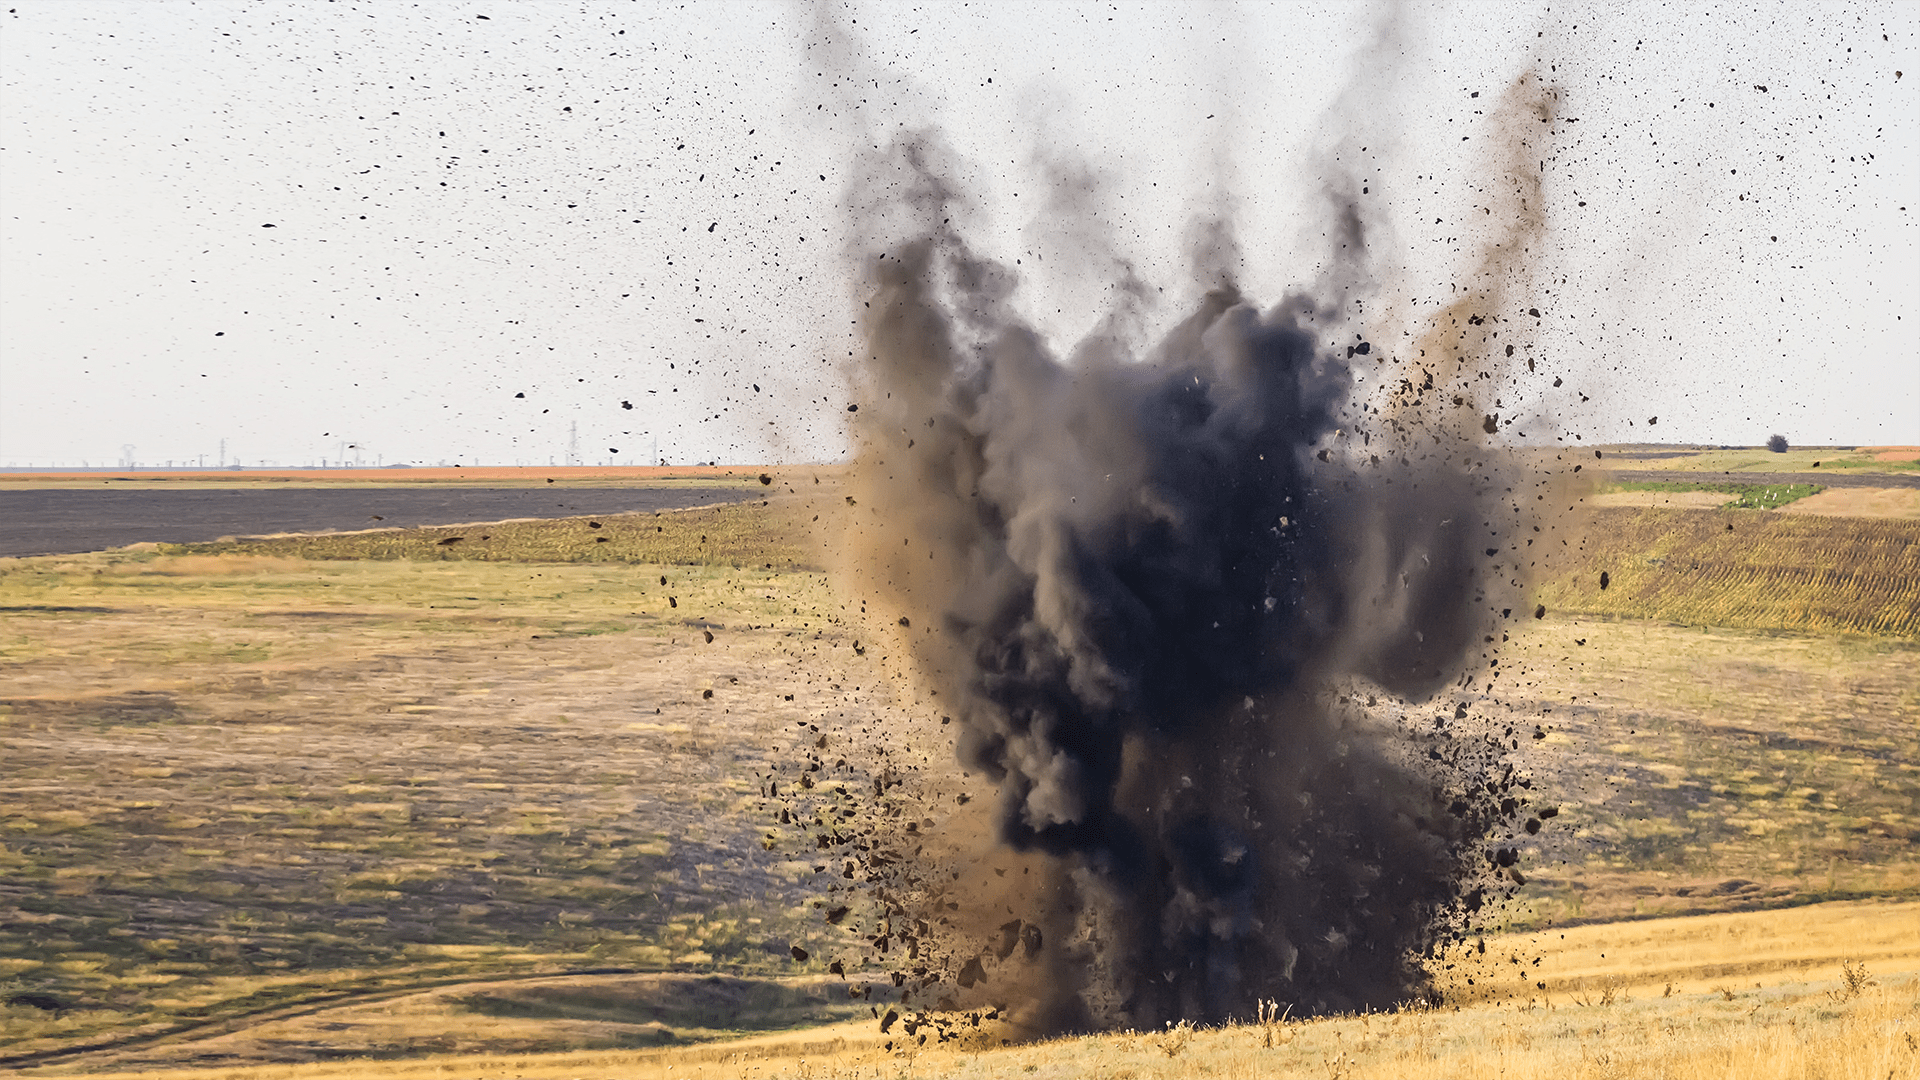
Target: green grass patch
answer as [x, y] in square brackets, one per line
[1871, 464]
[1772, 496]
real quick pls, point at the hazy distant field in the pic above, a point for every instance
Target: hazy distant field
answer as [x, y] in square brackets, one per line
[1863, 461]
[246, 781]
[67, 513]
[1875, 482]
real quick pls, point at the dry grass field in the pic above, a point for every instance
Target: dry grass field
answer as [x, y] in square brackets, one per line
[240, 781]
[1829, 991]
[1707, 770]
[397, 807]
[744, 535]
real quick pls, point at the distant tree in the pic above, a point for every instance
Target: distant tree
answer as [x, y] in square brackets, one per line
[1777, 443]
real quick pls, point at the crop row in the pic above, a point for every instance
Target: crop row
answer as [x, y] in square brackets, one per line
[1741, 569]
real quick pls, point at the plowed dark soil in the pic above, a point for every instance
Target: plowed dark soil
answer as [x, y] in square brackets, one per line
[60, 522]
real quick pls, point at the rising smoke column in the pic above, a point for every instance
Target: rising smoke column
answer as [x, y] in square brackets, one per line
[1141, 579]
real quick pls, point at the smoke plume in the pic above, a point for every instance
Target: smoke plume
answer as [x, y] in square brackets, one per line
[1182, 602]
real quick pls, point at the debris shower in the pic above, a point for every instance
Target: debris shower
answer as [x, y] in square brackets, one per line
[1168, 596]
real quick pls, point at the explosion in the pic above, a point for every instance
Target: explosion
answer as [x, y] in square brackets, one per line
[1188, 607]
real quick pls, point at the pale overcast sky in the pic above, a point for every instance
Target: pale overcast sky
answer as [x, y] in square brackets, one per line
[295, 225]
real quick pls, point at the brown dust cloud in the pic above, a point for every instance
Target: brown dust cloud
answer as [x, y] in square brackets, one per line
[1203, 621]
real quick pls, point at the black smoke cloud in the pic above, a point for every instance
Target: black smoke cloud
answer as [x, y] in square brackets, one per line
[1154, 584]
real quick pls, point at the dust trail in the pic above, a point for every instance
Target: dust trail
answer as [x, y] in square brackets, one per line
[1152, 586]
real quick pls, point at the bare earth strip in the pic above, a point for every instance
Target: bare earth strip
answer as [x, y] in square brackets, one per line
[1854, 502]
[1675, 500]
[1858, 502]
